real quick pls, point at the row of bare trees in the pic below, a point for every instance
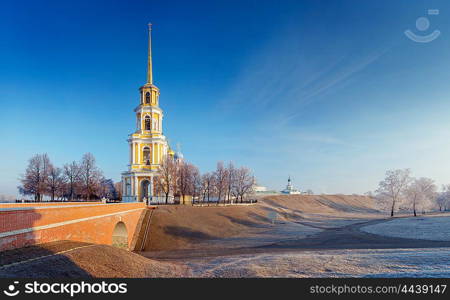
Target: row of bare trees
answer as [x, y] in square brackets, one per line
[74, 181]
[226, 184]
[399, 190]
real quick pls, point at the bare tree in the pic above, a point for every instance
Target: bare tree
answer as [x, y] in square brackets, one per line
[72, 174]
[443, 198]
[392, 187]
[118, 188]
[309, 192]
[166, 179]
[244, 183]
[441, 201]
[369, 194]
[412, 194]
[107, 189]
[428, 191]
[90, 176]
[420, 192]
[185, 179]
[196, 183]
[220, 180]
[207, 186]
[34, 181]
[231, 177]
[55, 182]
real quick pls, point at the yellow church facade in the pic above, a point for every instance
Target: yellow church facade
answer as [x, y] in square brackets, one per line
[147, 145]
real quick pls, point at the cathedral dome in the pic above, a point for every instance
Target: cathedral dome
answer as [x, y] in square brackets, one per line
[178, 155]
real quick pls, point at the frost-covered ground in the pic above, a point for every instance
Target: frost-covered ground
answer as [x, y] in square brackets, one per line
[397, 262]
[265, 235]
[330, 263]
[347, 245]
[435, 228]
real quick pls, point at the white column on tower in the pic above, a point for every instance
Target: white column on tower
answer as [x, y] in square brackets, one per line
[153, 153]
[139, 153]
[132, 153]
[136, 187]
[150, 192]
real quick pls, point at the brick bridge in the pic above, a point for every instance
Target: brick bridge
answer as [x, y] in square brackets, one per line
[120, 224]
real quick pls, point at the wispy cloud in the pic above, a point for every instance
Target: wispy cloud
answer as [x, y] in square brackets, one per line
[283, 78]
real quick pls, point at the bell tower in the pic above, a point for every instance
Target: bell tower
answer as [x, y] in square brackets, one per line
[147, 144]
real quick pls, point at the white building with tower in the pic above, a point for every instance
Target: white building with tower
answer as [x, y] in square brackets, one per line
[290, 190]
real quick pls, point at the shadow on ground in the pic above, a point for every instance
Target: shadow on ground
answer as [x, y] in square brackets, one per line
[33, 261]
[187, 233]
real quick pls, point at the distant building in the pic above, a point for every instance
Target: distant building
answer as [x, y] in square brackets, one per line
[259, 189]
[290, 190]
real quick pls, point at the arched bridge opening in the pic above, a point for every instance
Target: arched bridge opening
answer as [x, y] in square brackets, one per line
[120, 236]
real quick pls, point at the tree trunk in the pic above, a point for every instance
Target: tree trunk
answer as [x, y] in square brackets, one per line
[392, 208]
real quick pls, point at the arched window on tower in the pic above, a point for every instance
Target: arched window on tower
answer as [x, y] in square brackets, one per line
[147, 98]
[148, 123]
[146, 155]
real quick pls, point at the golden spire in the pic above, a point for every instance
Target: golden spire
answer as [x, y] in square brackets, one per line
[149, 64]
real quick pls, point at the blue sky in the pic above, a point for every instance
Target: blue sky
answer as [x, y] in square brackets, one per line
[330, 92]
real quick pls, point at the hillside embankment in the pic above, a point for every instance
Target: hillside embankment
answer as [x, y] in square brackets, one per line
[187, 227]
